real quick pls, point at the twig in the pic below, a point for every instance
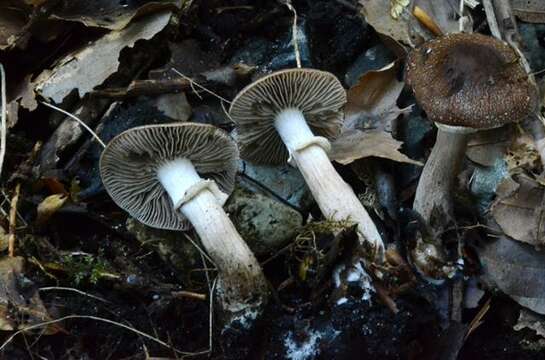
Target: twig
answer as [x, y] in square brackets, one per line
[60, 288]
[294, 33]
[108, 321]
[193, 82]
[427, 21]
[78, 120]
[13, 220]
[491, 18]
[3, 126]
[189, 294]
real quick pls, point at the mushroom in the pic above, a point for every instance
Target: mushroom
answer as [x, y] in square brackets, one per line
[170, 176]
[278, 117]
[464, 83]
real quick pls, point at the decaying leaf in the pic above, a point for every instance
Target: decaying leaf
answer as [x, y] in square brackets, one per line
[371, 103]
[369, 113]
[529, 10]
[113, 15]
[378, 14]
[519, 210]
[517, 269]
[397, 7]
[485, 147]
[20, 303]
[13, 19]
[49, 206]
[357, 144]
[92, 65]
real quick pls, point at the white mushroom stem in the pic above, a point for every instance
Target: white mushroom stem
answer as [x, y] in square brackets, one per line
[241, 281]
[439, 175]
[333, 195]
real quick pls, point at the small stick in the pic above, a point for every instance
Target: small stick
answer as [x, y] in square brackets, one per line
[427, 21]
[3, 126]
[13, 220]
[78, 120]
[294, 34]
[189, 294]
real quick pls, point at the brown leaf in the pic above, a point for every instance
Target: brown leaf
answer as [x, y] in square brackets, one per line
[90, 66]
[517, 269]
[486, 147]
[13, 18]
[519, 211]
[529, 10]
[356, 144]
[369, 112]
[387, 18]
[20, 306]
[113, 15]
[371, 103]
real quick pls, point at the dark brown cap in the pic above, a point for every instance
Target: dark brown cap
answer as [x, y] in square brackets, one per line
[129, 164]
[317, 94]
[470, 80]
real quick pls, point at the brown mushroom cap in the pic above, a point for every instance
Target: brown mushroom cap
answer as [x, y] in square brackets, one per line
[129, 164]
[470, 80]
[317, 94]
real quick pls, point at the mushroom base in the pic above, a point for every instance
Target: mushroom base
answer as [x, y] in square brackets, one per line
[334, 196]
[433, 195]
[242, 288]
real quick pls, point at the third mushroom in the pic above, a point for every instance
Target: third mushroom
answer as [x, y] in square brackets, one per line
[292, 114]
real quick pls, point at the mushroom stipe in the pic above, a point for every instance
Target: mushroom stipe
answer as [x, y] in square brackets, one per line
[167, 176]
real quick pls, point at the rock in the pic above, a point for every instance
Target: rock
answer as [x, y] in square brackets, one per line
[284, 182]
[484, 182]
[171, 246]
[373, 59]
[264, 223]
[269, 56]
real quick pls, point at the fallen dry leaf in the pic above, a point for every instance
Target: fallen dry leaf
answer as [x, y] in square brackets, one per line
[357, 144]
[49, 206]
[371, 103]
[519, 210]
[485, 147]
[529, 10]
[369, 112]
[20, 303]
[378, 14]
[13, 19]
[517, 269]
[92, 65]
[113, 15]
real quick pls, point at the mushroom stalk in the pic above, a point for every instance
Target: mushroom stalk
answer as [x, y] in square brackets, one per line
[439, 175]
[241, 281]
[333, 195]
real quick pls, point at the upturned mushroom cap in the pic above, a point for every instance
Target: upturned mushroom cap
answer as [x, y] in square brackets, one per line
[129, 164]
[317, 94]
[470, 80]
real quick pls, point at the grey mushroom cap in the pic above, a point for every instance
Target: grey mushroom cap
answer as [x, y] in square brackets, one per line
[319, 95]
[129, 164]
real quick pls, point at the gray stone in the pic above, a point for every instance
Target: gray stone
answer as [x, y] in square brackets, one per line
[264, 223]
[283, 182]
[485, 181]
[171, 246]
